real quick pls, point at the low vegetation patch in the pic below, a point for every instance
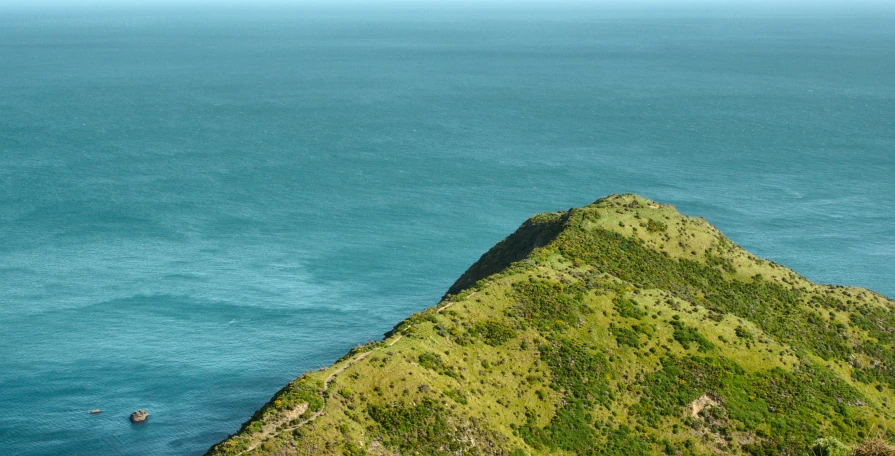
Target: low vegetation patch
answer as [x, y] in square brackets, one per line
[687, 336]
[493, 332]
[581, 375]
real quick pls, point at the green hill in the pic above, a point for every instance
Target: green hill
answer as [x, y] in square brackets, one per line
[620, 327]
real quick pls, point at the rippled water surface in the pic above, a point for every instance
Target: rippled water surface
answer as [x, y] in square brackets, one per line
[196, 206]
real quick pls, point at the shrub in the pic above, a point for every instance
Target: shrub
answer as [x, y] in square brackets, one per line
[829, 446]
[457, 396]
[427, 427]
[743, 333]
[492, 332]
[544, 303]
[627, 308]
[874, 447]
[625, 336]
[431, 361]
[654, 226]
[687, 335]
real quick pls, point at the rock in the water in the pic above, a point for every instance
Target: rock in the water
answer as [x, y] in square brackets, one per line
[139, 416]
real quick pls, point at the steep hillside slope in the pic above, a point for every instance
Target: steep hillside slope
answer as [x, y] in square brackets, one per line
[620, 327]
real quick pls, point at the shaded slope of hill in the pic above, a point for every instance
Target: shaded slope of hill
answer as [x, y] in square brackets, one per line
[619, 327]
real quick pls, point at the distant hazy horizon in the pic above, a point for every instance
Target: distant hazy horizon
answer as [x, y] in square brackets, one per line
[641, 7]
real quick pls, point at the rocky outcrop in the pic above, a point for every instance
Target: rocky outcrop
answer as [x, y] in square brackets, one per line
[139, 416]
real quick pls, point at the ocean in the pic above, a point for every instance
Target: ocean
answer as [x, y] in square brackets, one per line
[198, 204]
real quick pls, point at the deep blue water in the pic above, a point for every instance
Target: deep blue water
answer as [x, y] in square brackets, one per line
[198, 205]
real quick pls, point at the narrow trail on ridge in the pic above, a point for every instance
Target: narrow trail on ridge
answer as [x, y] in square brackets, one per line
[270, 430]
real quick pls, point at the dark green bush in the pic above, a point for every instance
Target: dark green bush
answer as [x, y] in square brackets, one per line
[687, 335]
[627, 308]
[654, 226]
[625, 336]
[492, 332]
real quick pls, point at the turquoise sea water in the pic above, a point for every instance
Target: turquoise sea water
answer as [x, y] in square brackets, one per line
[198, 205]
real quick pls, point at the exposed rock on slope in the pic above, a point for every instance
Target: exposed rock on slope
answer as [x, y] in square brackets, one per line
[621, 327]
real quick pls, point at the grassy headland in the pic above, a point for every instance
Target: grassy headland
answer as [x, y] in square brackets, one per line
[620, 327]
